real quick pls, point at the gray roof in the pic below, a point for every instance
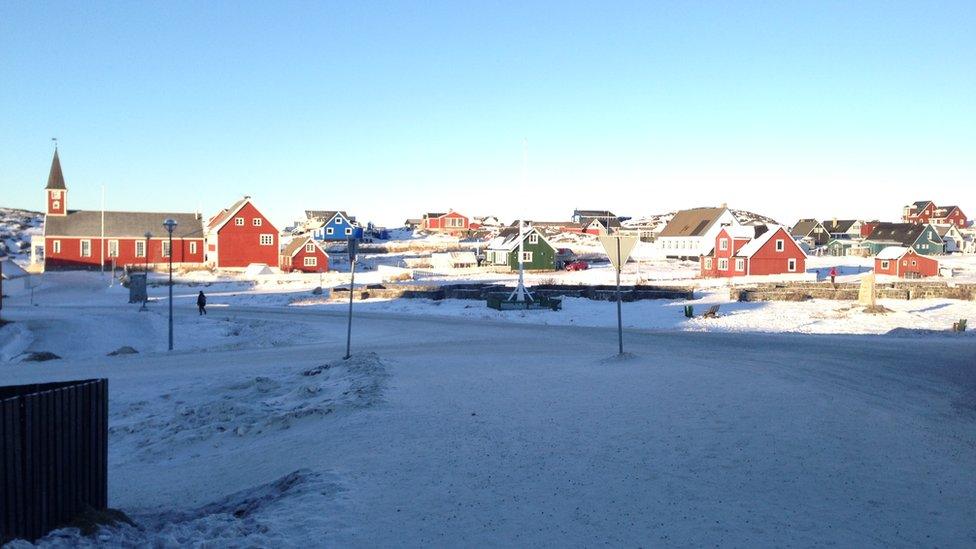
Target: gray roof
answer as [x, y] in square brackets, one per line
[903, 233]
[55, 179]
[804, 227]
[838, 225]
[327, 215]
[122, 224]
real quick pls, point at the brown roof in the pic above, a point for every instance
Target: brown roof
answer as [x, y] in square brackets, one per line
[693, 222]
[804, 227]
[122, 224]
[55, 179]
[297, 243]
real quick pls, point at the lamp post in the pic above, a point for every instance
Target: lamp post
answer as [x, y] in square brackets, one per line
[145, 297]
[170, 225]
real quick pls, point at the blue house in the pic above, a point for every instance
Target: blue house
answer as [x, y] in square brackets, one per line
[333, 226]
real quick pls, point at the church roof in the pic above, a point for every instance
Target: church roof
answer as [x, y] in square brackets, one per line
[55, 179]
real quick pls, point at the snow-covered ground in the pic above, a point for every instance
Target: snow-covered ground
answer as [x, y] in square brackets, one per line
[488, 433]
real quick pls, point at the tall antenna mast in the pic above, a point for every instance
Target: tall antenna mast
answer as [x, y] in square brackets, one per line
[521, 294]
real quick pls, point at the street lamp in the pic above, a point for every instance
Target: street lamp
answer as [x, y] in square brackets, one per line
[145, 297]
[170, 225]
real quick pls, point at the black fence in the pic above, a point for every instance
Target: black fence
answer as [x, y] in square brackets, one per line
[53, 455]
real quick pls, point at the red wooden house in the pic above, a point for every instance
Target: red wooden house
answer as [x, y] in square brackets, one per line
[949, 215]
[925, 211]
[304, 254]
[905, 263]
[867, 227]
[753, 250]
[89, 239]
[451, 222]
[241, 235]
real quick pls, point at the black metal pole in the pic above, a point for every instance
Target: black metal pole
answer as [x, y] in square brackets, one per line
[620, 322]
[170, 289]
[352, 278]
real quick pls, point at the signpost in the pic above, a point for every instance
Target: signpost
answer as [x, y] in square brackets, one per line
[353, 247]
[618, 249]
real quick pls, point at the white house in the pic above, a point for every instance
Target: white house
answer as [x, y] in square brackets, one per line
[691, 233]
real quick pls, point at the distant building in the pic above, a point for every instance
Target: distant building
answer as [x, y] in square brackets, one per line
[905, 263]
[537, 253]
[332, 225]
[241, 235]
[304, 254]
[691, 233]
[450, 222]
[812, 231]
[925, 211]
[90, 239]
[924, 239]
[843, 228]
[753, 251]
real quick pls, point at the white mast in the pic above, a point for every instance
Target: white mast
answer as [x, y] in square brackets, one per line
[521, 294]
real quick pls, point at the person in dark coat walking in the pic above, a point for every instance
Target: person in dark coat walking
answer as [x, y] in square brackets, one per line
[833, 276]
[202, 303]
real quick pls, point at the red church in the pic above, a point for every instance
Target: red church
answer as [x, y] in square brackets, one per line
[304, 254]
[241, 235]
[753, 250]
[89, 239]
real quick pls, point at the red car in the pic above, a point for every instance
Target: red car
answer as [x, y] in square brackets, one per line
[578, 265]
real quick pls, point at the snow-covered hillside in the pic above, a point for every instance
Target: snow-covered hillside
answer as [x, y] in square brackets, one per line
[16, 228]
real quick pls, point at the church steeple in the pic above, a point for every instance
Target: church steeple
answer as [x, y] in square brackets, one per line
[56, 190]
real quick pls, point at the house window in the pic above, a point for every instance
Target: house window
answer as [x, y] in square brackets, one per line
[791, 265]
[113, 248]
[740, 265]
[914, 263]
[55, 246]
[267, 240]
[708, 263]
[533, 238]
[526, 257]
[166, 248]
[310, 248]
[885, 265]
[723, 264]
[311, 261]
[86, 248]
[56, 205]
[329, 230]
[239, 221]
[193, 247]
[257, 221]
[723, 244]
[140, 248]
[348, 231]
[780, 245]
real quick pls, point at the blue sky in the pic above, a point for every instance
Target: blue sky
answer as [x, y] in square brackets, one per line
[390, 109]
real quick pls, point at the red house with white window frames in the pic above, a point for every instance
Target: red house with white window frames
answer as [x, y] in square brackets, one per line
[905, 263]
[304, 254]
[925, 211]
[751, 251]
[89, 239]
[451, 222]
[241, 235]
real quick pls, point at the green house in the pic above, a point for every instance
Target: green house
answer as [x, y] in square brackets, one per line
[839, 247]
[924, 239]
[538, 254]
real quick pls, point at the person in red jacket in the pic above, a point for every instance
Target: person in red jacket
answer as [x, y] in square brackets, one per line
[833, 274]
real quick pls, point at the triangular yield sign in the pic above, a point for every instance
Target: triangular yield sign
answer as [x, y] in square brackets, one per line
[618, 254]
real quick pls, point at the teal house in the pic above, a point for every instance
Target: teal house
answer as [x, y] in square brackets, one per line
[924, 239]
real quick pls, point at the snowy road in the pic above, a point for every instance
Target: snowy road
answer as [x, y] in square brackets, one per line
[486, 433]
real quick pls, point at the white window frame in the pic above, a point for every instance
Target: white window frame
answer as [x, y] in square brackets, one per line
[239, 221]
[723, 264]
[348, 231]
[113, 252]
[708, 263]
[193, 247]
[266, 239]
[81, 248]
[309, 248]
[526, 257]
[533, 238]
[166, 248]
[329, 230]
[55, 204]
[311, 261]
[140, 248]
[257, 222]
[55, 246]
[791, 265]
[780, 245]
[885, 265]
[740, 265]
[723, 244]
